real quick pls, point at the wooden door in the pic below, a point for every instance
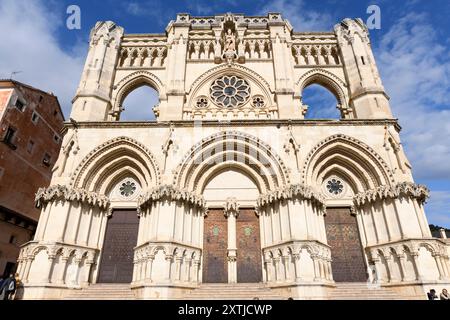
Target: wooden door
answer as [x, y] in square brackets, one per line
[116, 264]
[348, 263]
[215, 243]
[249, 267]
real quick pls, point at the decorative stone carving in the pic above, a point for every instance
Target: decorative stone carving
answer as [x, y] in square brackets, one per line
[171, 193]
[290, 192]
[230, 91]
[65, 193]
[406, 189]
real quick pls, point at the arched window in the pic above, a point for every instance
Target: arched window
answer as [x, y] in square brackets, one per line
[322, 104]
[138, 104]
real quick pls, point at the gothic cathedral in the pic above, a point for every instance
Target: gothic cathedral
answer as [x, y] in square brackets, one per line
[231, 184]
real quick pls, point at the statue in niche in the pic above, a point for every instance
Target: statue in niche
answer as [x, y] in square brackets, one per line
[229, 50]
[230, 41]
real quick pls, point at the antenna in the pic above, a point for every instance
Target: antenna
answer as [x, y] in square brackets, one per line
[13, 73]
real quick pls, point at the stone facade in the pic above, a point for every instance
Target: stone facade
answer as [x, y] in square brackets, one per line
[31, 122]
[230, 135]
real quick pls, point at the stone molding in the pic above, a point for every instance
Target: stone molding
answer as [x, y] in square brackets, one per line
[405, 189]
[69, 194]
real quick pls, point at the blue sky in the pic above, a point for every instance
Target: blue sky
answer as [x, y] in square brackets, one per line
[411, 48]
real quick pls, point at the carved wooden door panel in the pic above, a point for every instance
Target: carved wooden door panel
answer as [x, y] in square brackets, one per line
[116, 264]
[215, 243]
[348, 263]
[249, 267]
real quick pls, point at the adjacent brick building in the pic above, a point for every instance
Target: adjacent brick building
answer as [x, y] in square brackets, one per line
[30, 138]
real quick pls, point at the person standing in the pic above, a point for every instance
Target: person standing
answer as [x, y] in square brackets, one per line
[432, 295]
[444, 295]
[8, 287]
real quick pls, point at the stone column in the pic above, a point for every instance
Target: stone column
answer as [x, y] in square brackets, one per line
[49, 268]
[178, 261]
[316, 267]
[148, 271]
[169, 260]
[415, 256]
[187, 262]
[28, 262]
[87, 272]
[286, 267]
[390, 262]
[402, 258]
[62, 275]
[277, 272]
[296, 257]
[377, 262]
[439, 266]
[135, 270]
[196, 268]
[231, 212]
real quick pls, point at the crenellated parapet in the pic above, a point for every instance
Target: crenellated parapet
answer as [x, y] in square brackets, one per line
[69, 194]
[404, 189]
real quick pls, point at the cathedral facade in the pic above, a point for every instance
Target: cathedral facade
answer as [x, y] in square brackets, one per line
[230, 183]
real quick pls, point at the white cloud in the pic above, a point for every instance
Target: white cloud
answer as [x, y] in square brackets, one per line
[415, 70]
[300, 18]
[29, 44]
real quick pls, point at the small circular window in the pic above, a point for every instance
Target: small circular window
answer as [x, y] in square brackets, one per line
[127, 188]
[335, 186]
[230, 91]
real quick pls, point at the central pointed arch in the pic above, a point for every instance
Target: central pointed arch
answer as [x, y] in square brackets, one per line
[231, 149]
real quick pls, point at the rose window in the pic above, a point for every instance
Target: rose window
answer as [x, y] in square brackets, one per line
[127, 188]
[335, 186]
[230, 91]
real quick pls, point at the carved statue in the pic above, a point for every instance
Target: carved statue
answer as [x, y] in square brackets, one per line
[230, 42]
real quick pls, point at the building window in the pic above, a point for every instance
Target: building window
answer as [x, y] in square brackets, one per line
[30, 146]
[35, 117]
[13, 239]
[46, 159]
[230, 91]
[40, 99]
[55, 113]
[19, 105]
[56, 138]
[335, 186]
[10, 137]
[127, 188]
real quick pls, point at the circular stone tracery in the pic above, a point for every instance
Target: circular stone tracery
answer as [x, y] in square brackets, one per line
[127, 188]
[335, 186]
[230, 91]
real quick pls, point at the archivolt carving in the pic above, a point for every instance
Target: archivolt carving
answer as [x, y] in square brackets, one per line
[182, 175]
[64, 193]
[131, 81]
[328, 79]
[367, 152]
[104, 148]
[406, 189]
